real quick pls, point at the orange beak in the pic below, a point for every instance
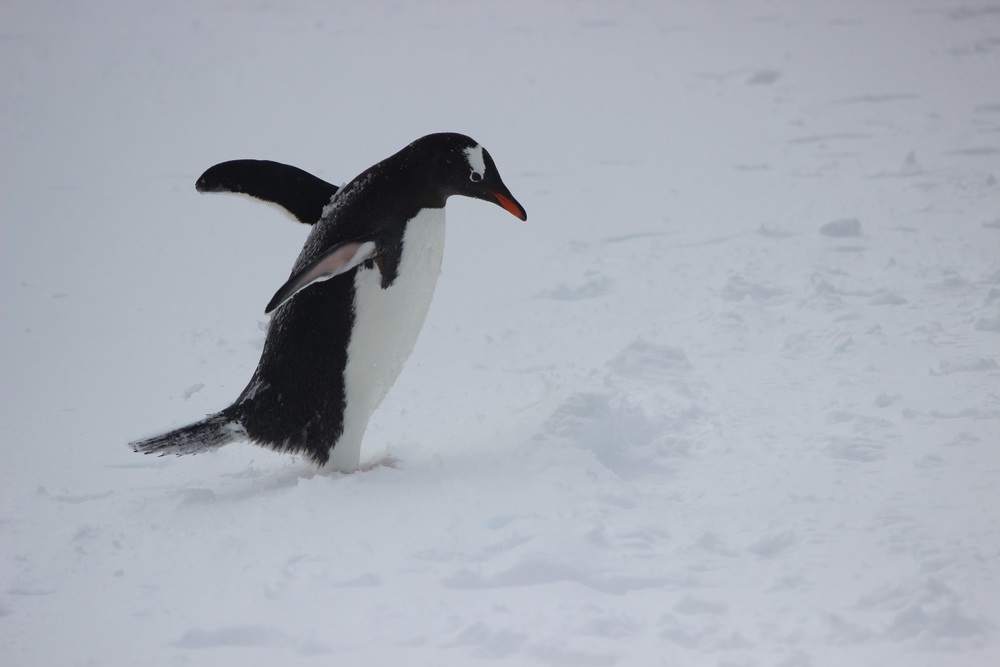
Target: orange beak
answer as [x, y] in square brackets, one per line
[510, 205]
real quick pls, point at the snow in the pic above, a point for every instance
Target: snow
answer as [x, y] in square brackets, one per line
[687, 426]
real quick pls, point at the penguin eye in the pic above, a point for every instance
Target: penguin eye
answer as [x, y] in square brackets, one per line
[475, 176]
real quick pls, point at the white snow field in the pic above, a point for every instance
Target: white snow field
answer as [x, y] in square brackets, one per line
[730, 397]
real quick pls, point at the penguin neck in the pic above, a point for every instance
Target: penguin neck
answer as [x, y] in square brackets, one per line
[408, 172]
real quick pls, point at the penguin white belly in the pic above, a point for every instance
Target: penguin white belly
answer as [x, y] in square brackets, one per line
[387, 323]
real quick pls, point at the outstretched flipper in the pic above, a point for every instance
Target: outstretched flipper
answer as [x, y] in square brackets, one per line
[210, 433]
[297, 191]
[339, 259]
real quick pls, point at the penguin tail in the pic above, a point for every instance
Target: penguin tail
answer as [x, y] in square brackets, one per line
[210, 433]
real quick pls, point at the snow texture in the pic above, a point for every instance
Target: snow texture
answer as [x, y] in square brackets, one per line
[687, 426]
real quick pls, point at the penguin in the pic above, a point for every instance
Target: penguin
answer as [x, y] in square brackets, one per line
[346, 320]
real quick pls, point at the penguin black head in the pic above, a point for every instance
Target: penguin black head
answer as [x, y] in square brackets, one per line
[458, 165]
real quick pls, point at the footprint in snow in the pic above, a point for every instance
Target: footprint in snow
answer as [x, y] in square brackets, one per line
[541, 571]
[248, 636]
[774, 544]
[965, 364]
[594, 286]
[988, 323]
[738, 289]
[633, 418]
[857, 450]
[845, 227]
[649, 361]
[491, 643]
[764, 77]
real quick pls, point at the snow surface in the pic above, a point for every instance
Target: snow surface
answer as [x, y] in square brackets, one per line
[737, 402]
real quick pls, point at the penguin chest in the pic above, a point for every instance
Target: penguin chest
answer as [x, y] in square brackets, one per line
[387, 321]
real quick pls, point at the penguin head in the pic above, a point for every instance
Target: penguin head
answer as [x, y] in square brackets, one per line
[459, 165]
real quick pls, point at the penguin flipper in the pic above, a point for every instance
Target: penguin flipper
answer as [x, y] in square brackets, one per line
[297, 191]
[210, 433]
[341, 258]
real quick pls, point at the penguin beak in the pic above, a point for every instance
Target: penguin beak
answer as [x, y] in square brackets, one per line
[509, 204]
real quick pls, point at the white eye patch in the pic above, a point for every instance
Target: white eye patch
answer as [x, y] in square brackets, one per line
[476, 162]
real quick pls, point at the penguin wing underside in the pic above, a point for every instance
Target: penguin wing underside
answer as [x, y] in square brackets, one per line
[339, 259]
[297, 191]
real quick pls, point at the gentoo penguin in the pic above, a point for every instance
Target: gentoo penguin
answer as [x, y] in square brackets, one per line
[347, 318]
